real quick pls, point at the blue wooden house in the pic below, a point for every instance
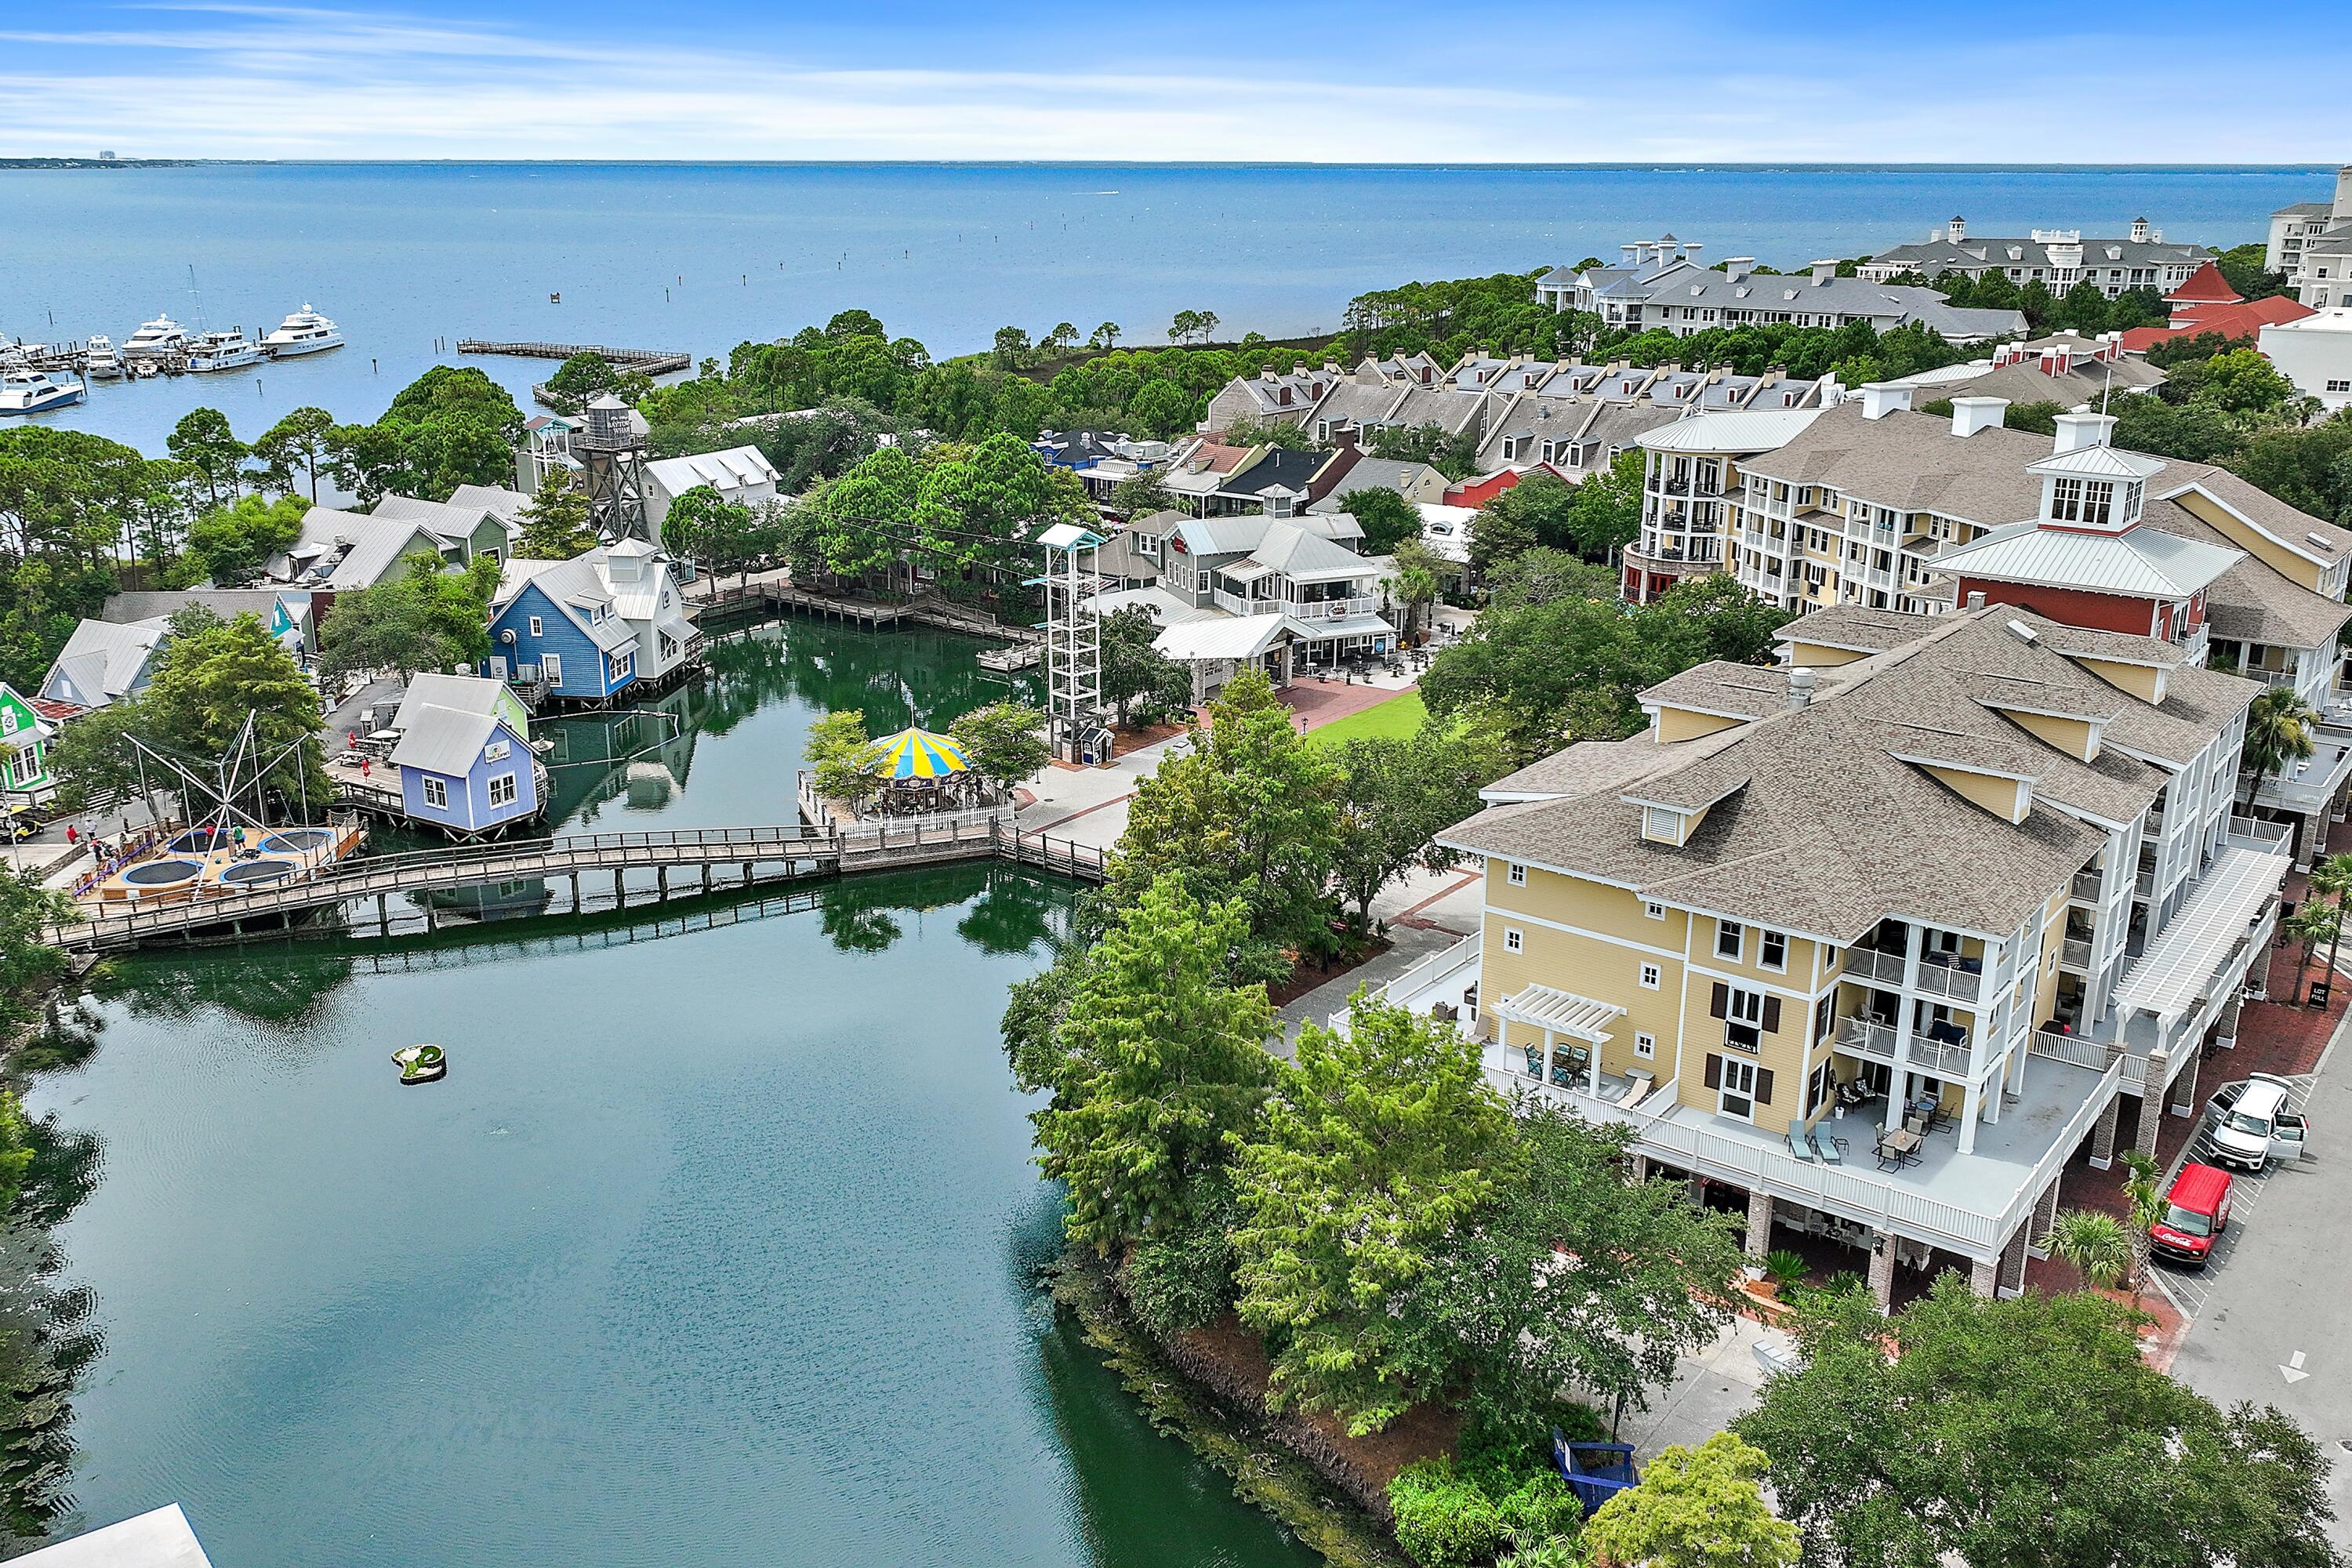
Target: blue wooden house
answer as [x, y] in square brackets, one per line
[560, 622]
[463, 756]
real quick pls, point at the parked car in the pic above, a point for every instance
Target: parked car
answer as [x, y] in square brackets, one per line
[2197, 1212]
[2252, 1122]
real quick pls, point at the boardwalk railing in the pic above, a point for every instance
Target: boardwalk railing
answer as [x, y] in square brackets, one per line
[799, 851]
[653, 362]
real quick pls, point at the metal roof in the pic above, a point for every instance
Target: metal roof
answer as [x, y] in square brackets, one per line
[1223, 637]
[1741, 430]
[2143, 562]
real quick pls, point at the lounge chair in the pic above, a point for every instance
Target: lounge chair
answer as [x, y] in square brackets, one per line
[1800, 1143]
[1826, 1147]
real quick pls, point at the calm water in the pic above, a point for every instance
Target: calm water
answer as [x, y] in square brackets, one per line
[714, 1250]
[701, 258]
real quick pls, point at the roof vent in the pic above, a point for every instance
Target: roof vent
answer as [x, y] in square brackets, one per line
[2321, 540]
[1976, 600]
[1800, 689]
[2022, 632]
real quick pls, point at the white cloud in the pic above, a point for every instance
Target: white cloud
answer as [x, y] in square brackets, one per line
[236, 80]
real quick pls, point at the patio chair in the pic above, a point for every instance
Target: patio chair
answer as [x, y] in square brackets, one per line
[1535, 1061]
[1917, 1124]
[1561, 1076]
[1828, 1149]
[1578, 1059]
[1801, 1143]
[1889, 1159]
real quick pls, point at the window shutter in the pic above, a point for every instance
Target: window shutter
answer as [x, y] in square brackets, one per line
[1719, 1001]
[1714, 1071]
[1763, 1086]
[1771, 1015]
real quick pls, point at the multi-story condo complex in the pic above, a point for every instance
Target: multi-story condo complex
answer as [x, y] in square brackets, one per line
[1662, 285]
[2311, 242]
[2057, 258]
[1870, 944]
[1873, 505]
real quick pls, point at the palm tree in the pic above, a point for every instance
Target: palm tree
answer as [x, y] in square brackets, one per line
[2095, 1243]
[2278, 731]
[2332, 877]
[1416, 582]
[2311, 925]
[2144, 1191]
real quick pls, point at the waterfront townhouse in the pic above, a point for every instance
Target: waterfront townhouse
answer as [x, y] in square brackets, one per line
[1271, 397]
[1663, 287]
[2311, 243]
[2057, 258]
[1856, 943]
[584, 630]
[1577, 419]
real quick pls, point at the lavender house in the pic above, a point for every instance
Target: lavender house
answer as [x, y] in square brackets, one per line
[463, 756]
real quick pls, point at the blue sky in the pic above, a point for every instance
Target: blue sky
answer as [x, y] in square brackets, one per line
[1373, 80]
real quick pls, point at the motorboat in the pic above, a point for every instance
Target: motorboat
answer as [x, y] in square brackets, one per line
[159, 339]
[304, 332]
[37, 391]
[103, 362]
[231, 350]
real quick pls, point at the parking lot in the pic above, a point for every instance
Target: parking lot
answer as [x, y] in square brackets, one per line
[2189, 1288]
[2268, 1315]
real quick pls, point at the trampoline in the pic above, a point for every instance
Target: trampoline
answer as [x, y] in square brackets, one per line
[197, 841]
[168, 875]
[297, 840]
[254, 873]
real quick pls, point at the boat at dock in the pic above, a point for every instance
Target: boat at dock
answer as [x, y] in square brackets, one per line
[156, 340]
[230, 350]
[36, 392]
[101, 358]
[304, 332]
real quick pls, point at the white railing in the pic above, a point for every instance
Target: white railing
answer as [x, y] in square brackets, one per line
[2075, 953]
[1868, 963]
[2253, 833]
[2144, 884]
[2086, 887]
[1865, 1038]
[1330, 609]
[2072, 1049]
[1949, 980]
[1238, 606]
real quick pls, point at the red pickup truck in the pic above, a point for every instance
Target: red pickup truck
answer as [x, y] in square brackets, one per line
[2196, 1211]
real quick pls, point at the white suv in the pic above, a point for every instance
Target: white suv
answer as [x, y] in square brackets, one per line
[2252, 1123]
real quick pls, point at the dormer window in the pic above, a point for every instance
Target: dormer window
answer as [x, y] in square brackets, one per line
[1662, 824]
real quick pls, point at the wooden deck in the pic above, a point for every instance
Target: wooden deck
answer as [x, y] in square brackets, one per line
[764, 856]
[653, 362]
[873, 614]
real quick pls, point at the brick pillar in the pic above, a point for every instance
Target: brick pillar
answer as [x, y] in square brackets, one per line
[1984, 1274]
[1640, 1169]
[2103, 1136]
[2183, 1099]
[2151, 1100]
[2012, 1261]
[1882, 1271]
[1759, 1222]
[2045, 1214]
[2225, 1027]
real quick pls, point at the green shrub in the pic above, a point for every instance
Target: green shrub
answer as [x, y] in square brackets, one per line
[1444, 1520]
[1182, 1281]
[1501, 1451]
[1540, 1508]
[1785, 1268]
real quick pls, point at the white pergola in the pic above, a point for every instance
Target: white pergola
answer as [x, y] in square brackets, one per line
[1557, 1012]
[2173, 978]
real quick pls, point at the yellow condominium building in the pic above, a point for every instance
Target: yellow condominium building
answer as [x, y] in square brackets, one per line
[1872, 943]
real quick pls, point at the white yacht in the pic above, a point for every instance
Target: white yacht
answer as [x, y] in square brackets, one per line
[158, 339]
[35, 391]
[231, 350]
[304, 332]
[104, 363]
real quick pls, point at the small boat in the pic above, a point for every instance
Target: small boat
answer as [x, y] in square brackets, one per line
[231, 350]
[304, 332]
[421, 1064]
[157, 340]
[37, 391]
[104, 363]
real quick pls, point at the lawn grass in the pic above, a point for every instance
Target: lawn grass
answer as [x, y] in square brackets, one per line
[1397, 715]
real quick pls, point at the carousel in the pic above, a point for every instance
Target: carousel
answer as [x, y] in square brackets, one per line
[923, 771]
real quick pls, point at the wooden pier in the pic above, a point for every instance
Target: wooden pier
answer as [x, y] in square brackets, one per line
[652, 361]
[873, 615]
[756, 856]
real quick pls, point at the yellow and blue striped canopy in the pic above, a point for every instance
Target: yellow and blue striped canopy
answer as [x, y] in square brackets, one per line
[921, 754]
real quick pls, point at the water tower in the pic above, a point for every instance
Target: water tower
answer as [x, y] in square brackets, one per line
[611, 447]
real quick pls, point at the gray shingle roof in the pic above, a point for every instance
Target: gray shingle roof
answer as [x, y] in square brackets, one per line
[1818, 824]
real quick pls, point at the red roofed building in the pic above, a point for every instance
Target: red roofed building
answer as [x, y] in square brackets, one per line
[2244, 320]
[1478, 490]
[2206, 286]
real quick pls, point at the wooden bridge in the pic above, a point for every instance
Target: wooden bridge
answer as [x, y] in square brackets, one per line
[757, 855]
[872, 615]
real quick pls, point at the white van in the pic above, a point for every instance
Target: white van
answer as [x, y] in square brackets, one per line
[2252, 1123]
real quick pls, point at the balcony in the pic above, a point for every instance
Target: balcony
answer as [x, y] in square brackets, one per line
[1879, 968]
[1876, 1041]
[1949, 974]
[2074, 954]
[2086, 887]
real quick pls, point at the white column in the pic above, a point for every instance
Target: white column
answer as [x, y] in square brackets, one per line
[1906, 1006]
